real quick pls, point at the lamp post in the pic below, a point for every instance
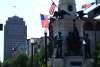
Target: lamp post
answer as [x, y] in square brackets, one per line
[45, 49]
[83, 50]
[32, 44]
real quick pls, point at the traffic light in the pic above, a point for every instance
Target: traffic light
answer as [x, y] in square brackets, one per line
[1, 27]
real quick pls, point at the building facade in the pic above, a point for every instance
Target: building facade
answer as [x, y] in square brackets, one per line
[15, 37]
[35, 46]
[39, 43]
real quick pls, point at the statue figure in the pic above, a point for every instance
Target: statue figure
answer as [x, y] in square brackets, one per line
[59, 45]
[74, 42]
[87, 46]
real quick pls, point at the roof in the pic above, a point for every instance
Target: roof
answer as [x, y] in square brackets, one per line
[93, 8]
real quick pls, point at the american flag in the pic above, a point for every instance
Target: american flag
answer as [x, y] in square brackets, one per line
[44, 21]
[52, 8]
[88, 5]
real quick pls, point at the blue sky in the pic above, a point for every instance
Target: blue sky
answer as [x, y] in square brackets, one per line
[29, 10]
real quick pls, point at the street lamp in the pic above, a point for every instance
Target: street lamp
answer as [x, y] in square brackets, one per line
[32, 44]
[83, 50]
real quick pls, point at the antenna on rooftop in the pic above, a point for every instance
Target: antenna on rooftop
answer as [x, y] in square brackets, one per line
[13, 5]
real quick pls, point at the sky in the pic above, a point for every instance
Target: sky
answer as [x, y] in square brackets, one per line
[30, 11]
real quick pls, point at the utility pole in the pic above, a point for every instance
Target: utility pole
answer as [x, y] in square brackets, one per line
[32, 45]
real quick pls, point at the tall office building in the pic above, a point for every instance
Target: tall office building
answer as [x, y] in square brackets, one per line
[15, 37]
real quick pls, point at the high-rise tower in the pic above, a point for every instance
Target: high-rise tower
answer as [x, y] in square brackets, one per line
[15, 37]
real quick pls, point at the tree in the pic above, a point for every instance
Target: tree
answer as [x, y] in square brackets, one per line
[39, 58]
[97, 56]
[22, 60]
[0, 64]
[8, 63]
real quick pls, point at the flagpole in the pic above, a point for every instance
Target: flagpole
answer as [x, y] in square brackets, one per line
[52, 1]
[14, 7]
[45, 33]
[44, 21]
[96, 2]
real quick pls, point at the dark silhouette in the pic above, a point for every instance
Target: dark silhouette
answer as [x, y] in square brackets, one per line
[81, 14]
[74, 42]
[59, 45]
[87, 46]
[51, 38]
[69, 43]
[46, 55]
[60, 14]
[1, 27]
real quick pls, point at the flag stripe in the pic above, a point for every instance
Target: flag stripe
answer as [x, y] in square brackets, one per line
[52, 8]
[44, 21]
[88, 5]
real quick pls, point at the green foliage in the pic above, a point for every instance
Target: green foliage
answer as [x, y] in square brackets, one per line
[22, 60]
[39, 57]
[98, 47]
[8, 63]
[97, 56]
[0, 64]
